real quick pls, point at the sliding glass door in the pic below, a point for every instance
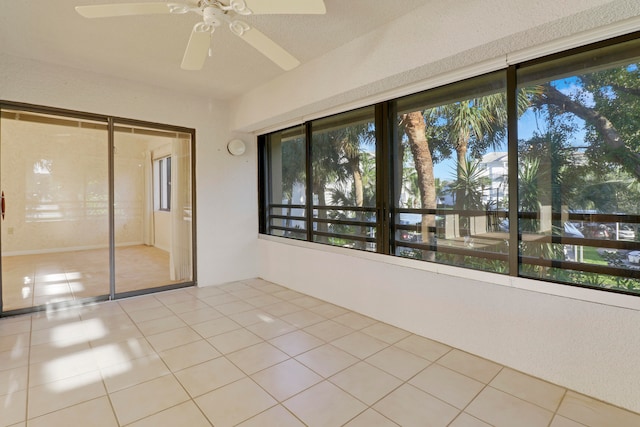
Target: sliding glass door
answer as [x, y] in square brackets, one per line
[92, 208]
[152, 194]
[55, 211]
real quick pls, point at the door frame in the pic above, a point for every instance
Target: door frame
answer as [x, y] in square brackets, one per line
[111, 122]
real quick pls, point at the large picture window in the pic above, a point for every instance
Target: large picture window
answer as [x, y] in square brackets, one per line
[343, 178]
[450, 174]
[531, 171]
[286, 184]
[579, 168]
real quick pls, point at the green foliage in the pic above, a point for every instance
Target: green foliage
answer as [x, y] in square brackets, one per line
[616, 95]
[410, 253]
[293, 165]
[530, 192]
[469, 185]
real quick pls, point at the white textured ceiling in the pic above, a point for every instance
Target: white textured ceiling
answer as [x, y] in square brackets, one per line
[149, 49]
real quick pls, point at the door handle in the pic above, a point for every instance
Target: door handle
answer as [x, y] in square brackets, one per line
[3, 205]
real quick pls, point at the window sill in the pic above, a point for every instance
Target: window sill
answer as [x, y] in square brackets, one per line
[549, 288]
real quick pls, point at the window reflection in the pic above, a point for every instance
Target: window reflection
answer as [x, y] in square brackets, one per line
[452, 173]
[445, 185]
[343, 164]
[56, 233]
[579, 169]
[287, 193]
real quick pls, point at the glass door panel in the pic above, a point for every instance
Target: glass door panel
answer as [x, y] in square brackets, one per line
[55, 210]
[152, 208]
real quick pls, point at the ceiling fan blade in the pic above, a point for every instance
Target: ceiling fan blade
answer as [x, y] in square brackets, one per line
[197, 50]
[263, 7]
[270, 49]
[122, 9]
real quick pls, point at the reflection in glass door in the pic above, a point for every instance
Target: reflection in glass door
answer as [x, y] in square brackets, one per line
[153, 203]
[55, 217]
[92, 208]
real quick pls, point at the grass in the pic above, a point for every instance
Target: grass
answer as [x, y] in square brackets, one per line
[592, 256]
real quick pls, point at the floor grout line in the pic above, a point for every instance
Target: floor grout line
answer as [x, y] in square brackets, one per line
[128, 308]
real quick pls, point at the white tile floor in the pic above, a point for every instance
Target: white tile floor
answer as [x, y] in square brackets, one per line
[38, 279]
[253, 353]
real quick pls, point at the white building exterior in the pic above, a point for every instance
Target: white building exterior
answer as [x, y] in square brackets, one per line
[495, 166]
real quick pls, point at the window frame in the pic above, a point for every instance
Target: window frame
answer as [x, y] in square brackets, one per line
[386, 152]
[162, 183]
[340, 121]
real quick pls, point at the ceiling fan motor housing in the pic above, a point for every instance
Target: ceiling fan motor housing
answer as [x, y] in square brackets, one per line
[211, 17]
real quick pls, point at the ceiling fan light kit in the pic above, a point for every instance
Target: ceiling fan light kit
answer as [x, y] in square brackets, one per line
[214, 14]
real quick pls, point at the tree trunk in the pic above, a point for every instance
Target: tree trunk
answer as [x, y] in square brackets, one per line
[319, 189]
[359, 196]
[399, 178]
[612, 139]
[461, 151]
[415, 129]
[461, 167]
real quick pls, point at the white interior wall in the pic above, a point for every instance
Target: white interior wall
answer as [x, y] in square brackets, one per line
[589, 347]
[161, 219]
[226, 186]
[129, 188]
[583, 339]
[49, 208]
[161, 228]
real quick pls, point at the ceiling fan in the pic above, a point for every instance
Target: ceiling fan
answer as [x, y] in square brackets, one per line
[215, 13]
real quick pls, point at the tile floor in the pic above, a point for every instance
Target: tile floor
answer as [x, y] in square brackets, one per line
[32, 280]
[252, 353]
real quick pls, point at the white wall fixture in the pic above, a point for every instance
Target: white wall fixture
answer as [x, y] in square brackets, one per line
[236, 147]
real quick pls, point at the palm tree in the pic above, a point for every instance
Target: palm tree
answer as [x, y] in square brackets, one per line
[470, 125]
[338, 161]
[530, 192]
[410, 186]
[479, 120]
[469, 183]
[414, 127]
[530, 198]
[325, 167]
[473, 124]
[293, 170]
[342, 195]
[352, 138]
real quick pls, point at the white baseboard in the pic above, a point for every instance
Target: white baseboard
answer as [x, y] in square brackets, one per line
[68, 249]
